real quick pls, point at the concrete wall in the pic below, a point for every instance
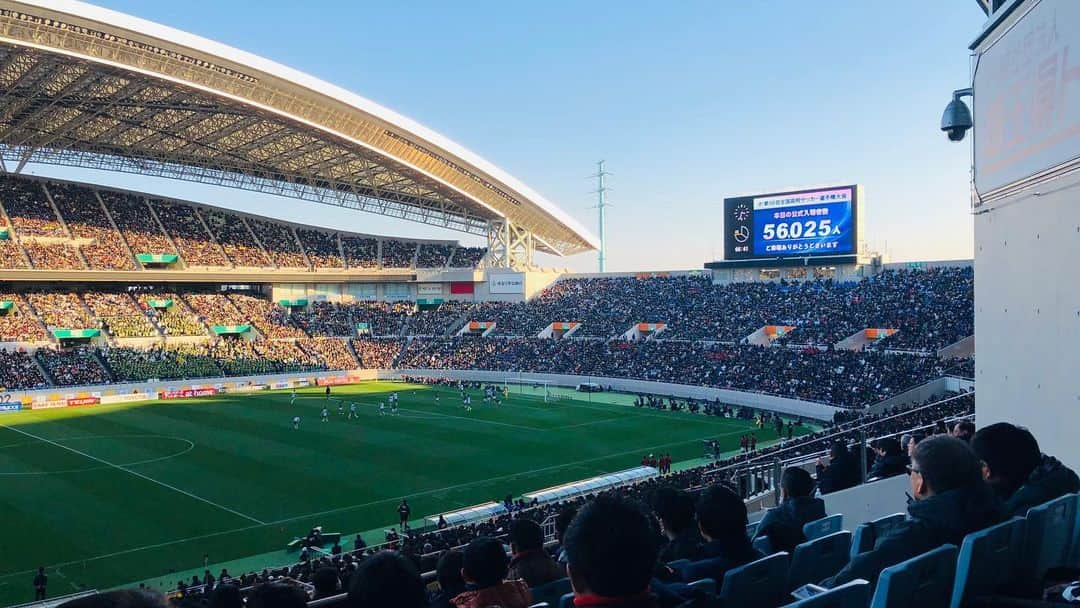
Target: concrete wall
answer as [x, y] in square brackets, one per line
[1027, 223]
[783, 405]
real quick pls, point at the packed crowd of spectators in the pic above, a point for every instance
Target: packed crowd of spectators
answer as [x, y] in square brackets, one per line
[19, 372]
[437, 320]
[842, 378]
[360, 252]
[376, 354]
[185, 227]
[931, 308]
[324, 318]
[271, 320]
[73, 367]
[18, 323]
[53, 256]
[11, 255]
[235, 238]
[280, 243]
[102, 245]
[398, 254]
[62, 310]
[137, 225]
[174, 320]
[28, 208]
[215, 309]
[468, 257]
[170, 362]
[321, 247]
[119, 314]
[433, 255]
[333, 352]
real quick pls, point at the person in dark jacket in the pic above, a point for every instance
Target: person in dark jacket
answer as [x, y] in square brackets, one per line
[675, 510]
[385, 580]
[1014, 466]
[448, 573]
[611, 550]
[530, 562]
[891, 460]
[784, 525]
[841, 473]
[484, 569]
[722, 521]
[951, 501]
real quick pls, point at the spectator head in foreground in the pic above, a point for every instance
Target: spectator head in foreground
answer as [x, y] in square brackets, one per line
[448, 572]
[675, 510]
[484, 568]
[963, 430]
[530, 562]
[277, 595]
[612, 549]
[1018, 471]
[325, 581]
[526, 535]
[796, 482]
[226, 596]
[386, 580]
[124, 598]
[940, 464]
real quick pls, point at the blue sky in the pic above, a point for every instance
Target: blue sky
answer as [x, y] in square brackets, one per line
[687, 102]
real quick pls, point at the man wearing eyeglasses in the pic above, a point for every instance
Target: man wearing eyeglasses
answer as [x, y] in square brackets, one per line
[951, 500]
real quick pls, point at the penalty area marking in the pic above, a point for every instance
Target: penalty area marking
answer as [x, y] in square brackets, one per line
[135, 473]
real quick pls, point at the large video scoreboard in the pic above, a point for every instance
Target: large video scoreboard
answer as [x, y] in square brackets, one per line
[802, 223]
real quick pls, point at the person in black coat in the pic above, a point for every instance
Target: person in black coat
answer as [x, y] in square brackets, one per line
[842, 471]
[722, 521]
[1021, 475]
[675, 510]
[951, 501]
[448, 573]
[784, 525]
[891, 460]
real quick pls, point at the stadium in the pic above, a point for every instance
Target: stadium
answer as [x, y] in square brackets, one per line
[201, 406]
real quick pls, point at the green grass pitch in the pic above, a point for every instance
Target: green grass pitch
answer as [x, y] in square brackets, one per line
[109, 495]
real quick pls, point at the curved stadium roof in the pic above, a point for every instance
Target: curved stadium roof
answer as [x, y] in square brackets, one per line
[90, 87]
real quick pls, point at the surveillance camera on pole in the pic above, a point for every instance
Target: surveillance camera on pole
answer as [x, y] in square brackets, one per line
[956, 120]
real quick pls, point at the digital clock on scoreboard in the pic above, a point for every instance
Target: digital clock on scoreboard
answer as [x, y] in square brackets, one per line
[791, 224]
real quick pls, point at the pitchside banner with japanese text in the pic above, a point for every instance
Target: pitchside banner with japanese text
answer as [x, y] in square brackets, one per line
[791, 224]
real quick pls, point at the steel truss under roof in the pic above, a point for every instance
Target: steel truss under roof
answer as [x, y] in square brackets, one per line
[89, 87]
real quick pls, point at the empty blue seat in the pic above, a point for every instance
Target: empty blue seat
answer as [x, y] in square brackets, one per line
[551, 592]
[849, 595]
[751, 529]
[759, 584]
[926, 580]
[1048, 537]
[707, 585]
[823, 527]
[764, 545]
[866, 535]
[679, 564]
[818, 559]
[988, 560]
[566, 601]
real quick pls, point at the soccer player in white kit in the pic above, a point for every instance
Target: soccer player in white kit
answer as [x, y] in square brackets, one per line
[296, 422]
[325, 415]
[293, 400]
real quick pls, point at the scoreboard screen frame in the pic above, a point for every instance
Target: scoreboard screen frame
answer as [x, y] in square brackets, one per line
[742, 223]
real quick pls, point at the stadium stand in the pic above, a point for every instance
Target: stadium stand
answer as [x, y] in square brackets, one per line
[74, 367]
[467, 257]
[334, 353]
[119, 314]
[19, 324]
[324, 318]
[137, 223]
[321, 248]
[433, 256]
[236, 238]
[185, 227]
[175, 319]
[270, 319]
[398, 254]
[101, 243]
[284, 249]
[215, 309]
[62, 310]
[18, 371]
[376, 353]
[360, 252]
[436, 321]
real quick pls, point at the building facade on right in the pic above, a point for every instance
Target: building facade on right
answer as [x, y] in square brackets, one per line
[1026, 207]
